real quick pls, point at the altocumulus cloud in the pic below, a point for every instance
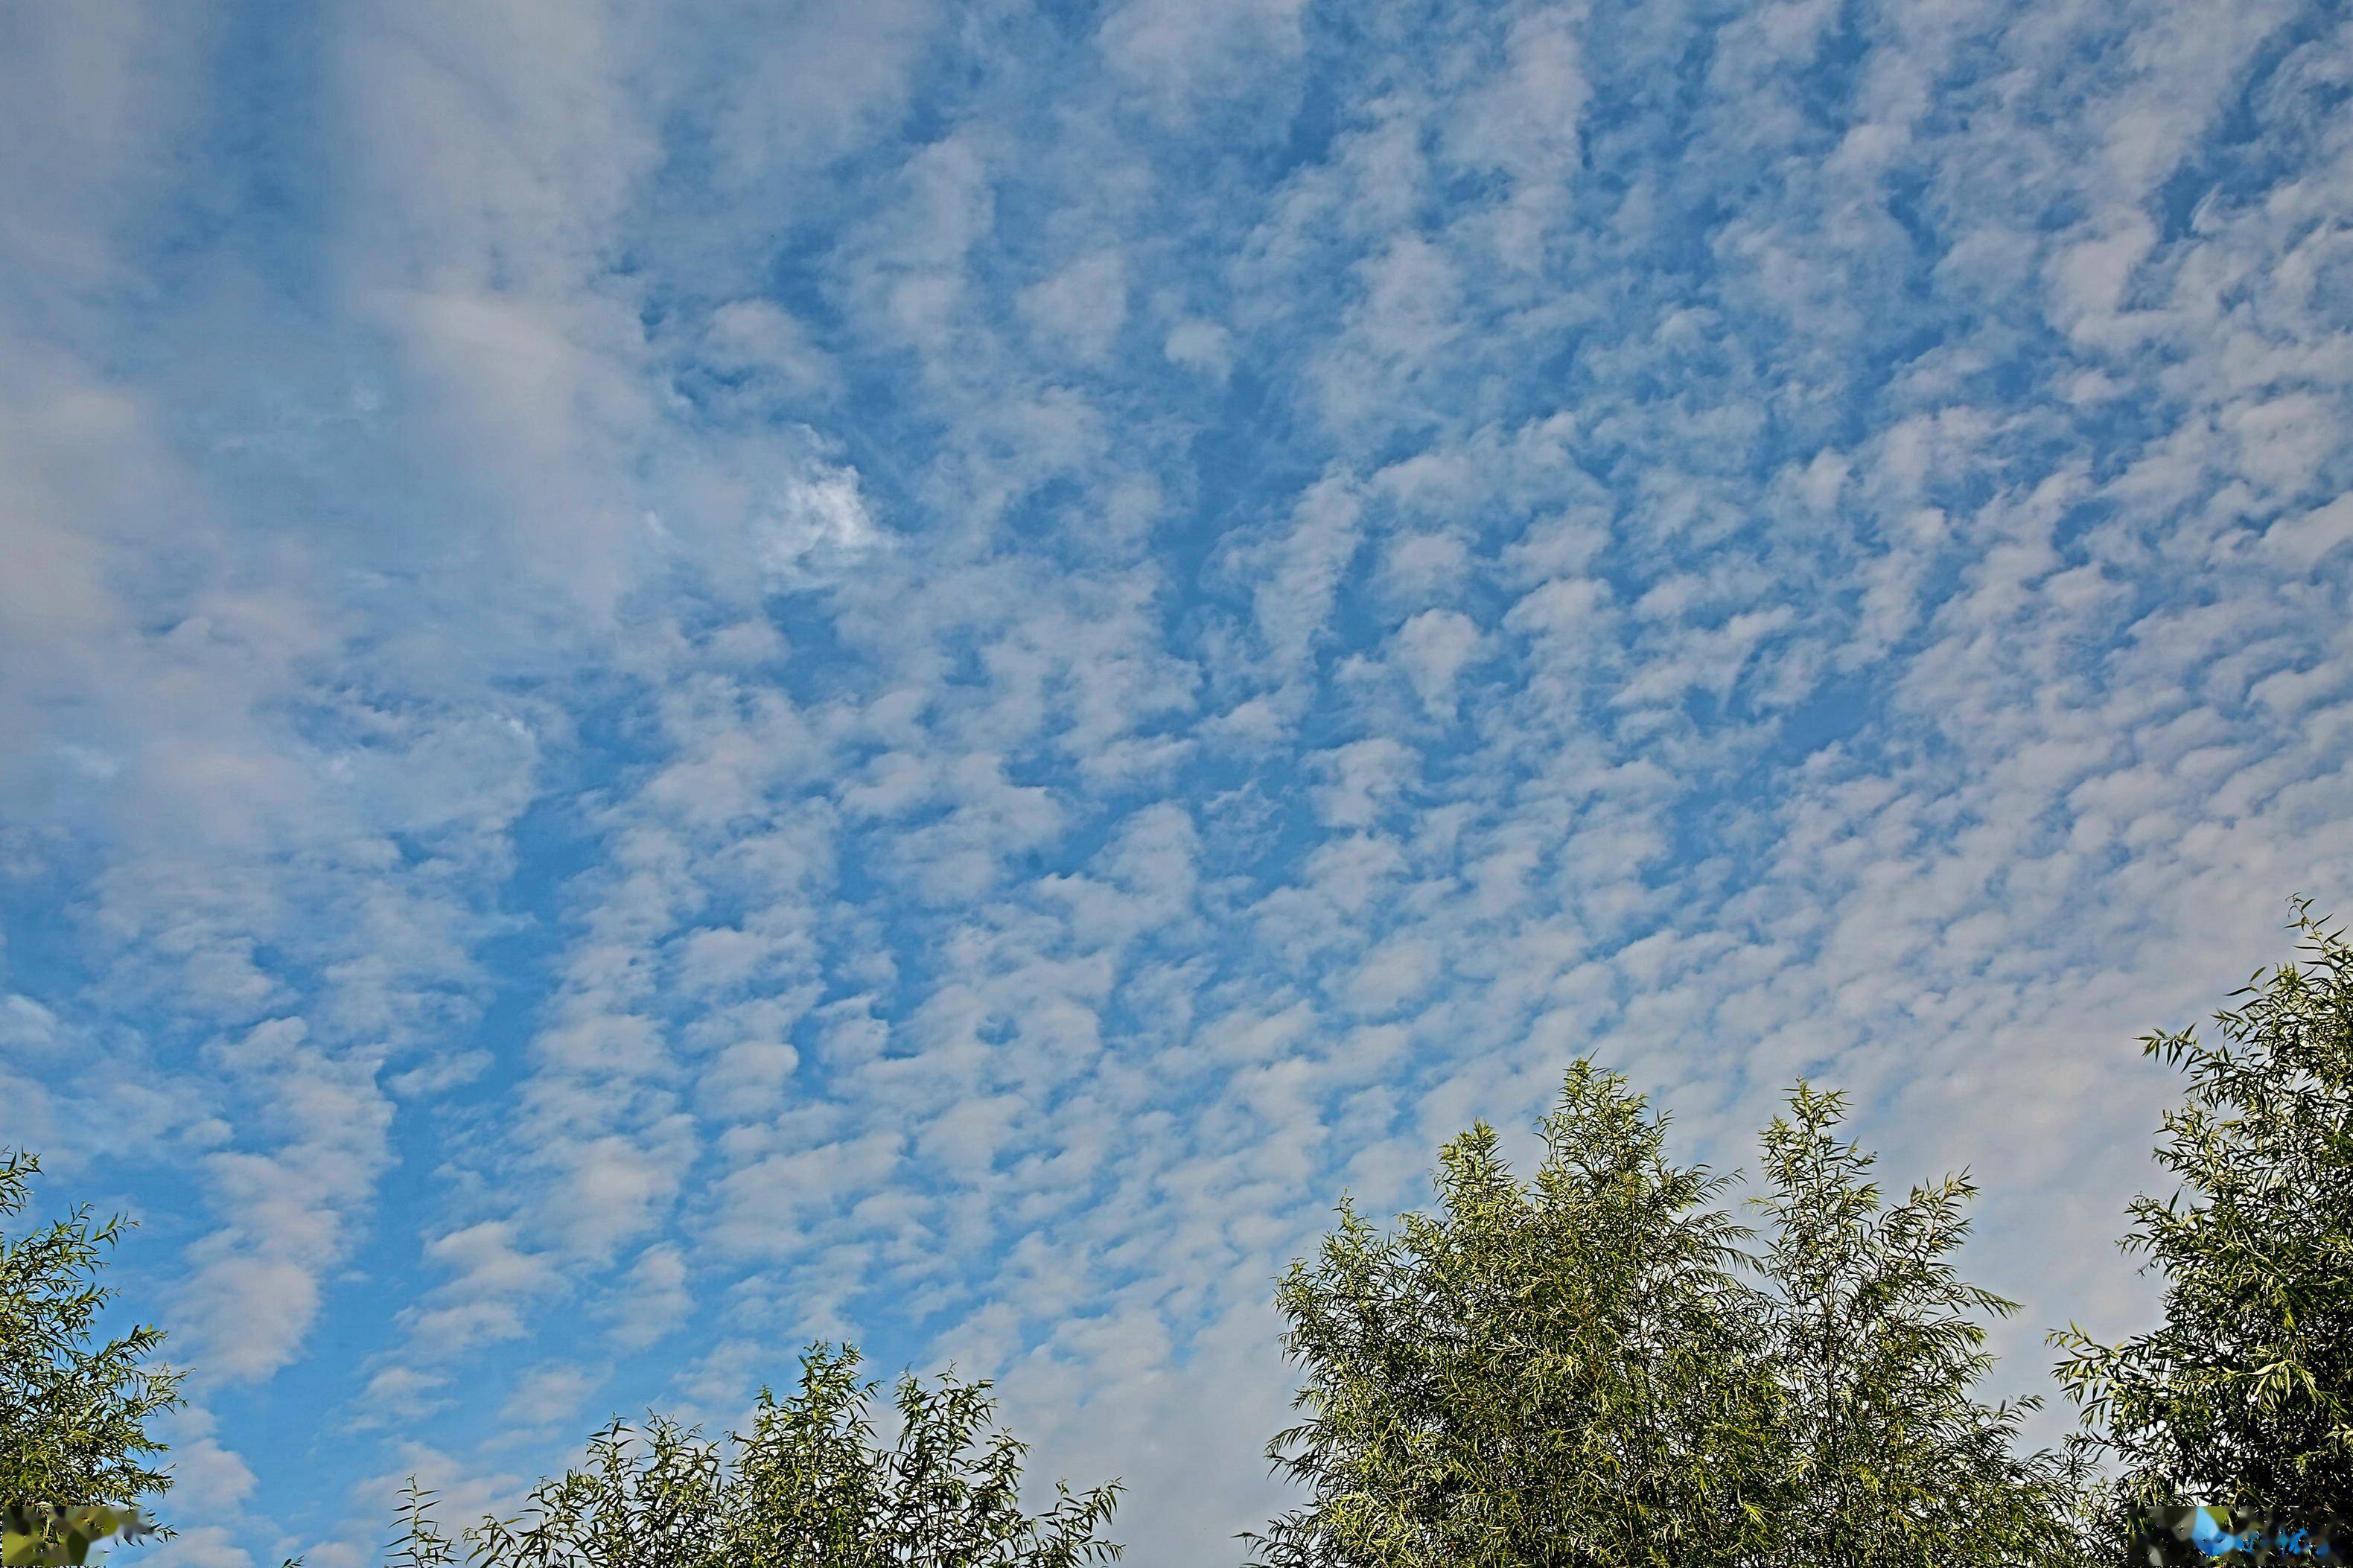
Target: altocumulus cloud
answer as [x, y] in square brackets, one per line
[680, 679]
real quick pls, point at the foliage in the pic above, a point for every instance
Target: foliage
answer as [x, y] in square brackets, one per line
[1571, 1372]
[1561, 1372]
[2241, 1396]
[37, 1535]
[1878, 1346]
[73, 1418]
[419, 1543]
[806, 1487]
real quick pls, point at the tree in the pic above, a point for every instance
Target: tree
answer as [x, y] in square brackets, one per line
[1560, 1373]
[806, 1487]
[46, 1535]
[1878, 1344]
[2244, 1395]
[1572, 1372]
[73, 1418]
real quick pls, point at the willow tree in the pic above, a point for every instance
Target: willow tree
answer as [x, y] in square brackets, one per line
[1560, 1371]
[1892, 1458]
[2243, 1396]
[73, 1412]
[808, 1487]
[1589, 1369]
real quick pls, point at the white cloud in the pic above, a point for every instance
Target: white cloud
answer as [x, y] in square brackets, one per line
[2306, 540]
[25, 1025]
[815, 528]
[1081, 308]
[551, 1393]
[206, 1475]
[401, 1393]
[1433, 648]
[491, 1278]
[1202, 346]
[1174, 51]
[654, 1299]
[202, 1546]
[756, 333]
[1366, 776]
[256, 1287]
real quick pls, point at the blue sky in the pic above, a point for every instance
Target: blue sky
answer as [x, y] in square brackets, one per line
[686, 677]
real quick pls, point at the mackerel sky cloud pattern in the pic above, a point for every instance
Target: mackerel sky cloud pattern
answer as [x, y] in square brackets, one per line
[684, 677]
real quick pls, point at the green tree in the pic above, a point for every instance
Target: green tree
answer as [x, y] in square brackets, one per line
[1573, 1371]
[2243, 1394]
[73, 1416]
[1892, 1460]
[1560, 1373]
[40, 1535]
[806, 1487]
